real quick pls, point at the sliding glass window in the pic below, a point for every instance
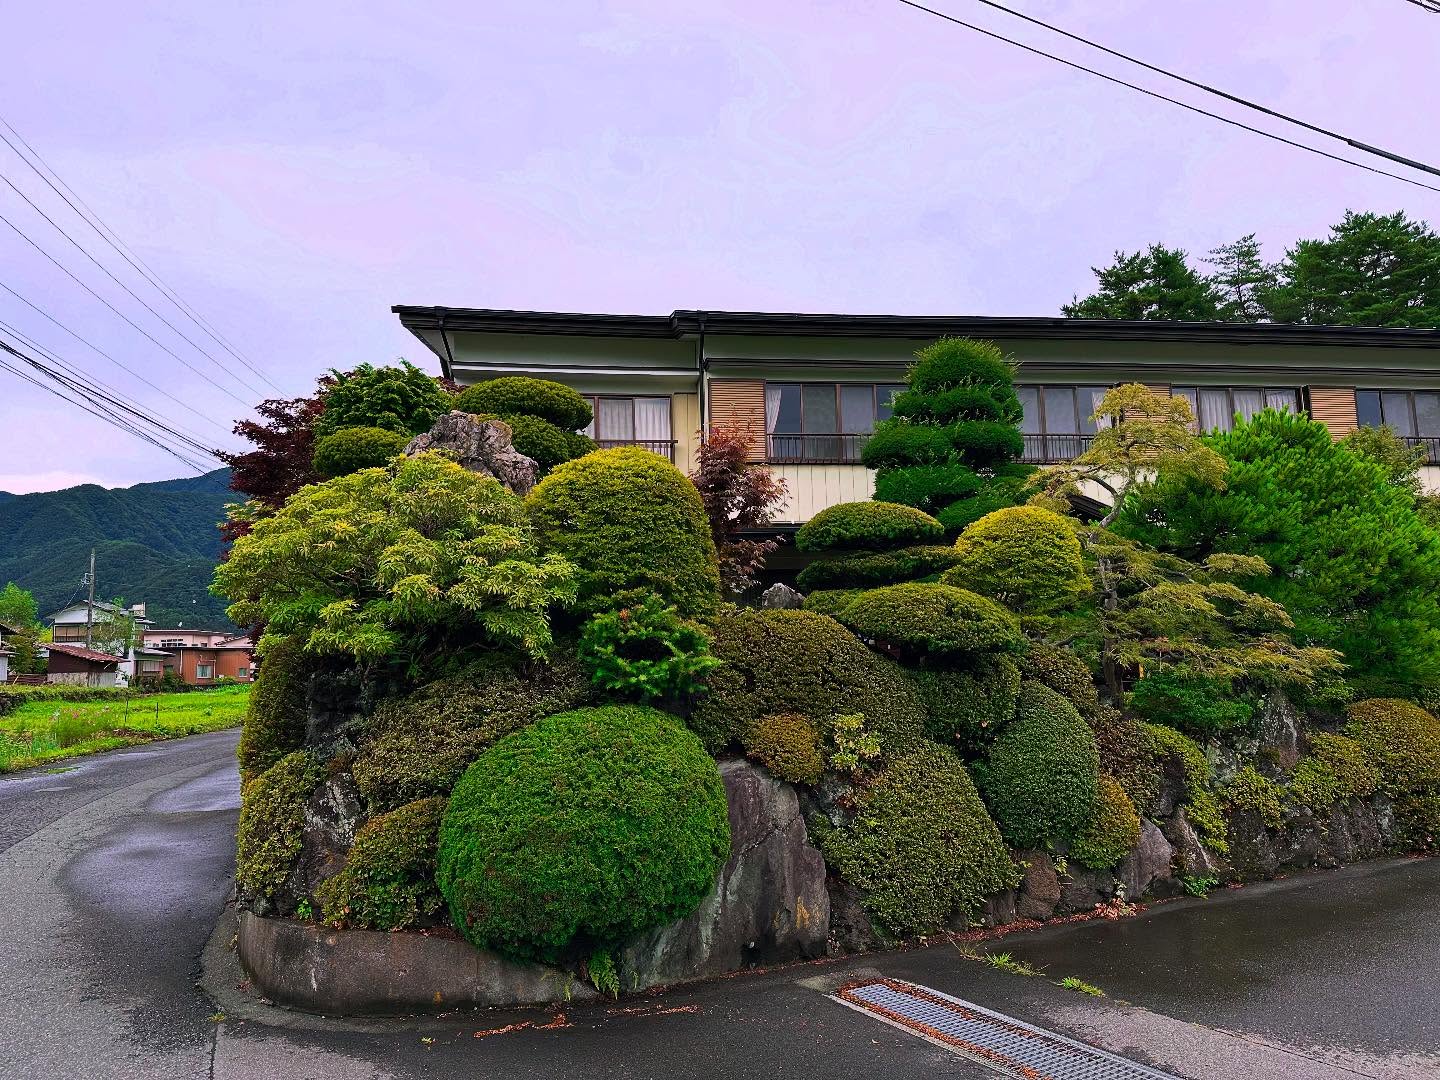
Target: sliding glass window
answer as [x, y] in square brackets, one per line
[1058, 423]
[1217, 407]
[824, 422]
[632, 421]
[1414, 415]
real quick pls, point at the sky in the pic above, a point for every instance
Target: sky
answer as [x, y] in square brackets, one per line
[291, 170]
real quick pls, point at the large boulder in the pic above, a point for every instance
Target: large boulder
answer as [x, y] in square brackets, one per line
[1040, 887]
[482, 446]
[1196, 859]
[769, 903]
[332, 814]
[781, 597]
[1149, 863]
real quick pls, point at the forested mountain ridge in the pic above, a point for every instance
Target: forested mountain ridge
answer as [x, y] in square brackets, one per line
[157, 543]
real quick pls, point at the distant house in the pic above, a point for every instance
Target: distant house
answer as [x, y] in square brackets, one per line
[199, 657]
[5, 655]
[79, 666]
[72, 625]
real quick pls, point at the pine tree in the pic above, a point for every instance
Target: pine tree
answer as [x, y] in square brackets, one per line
[1243, 280]
[1157, 283]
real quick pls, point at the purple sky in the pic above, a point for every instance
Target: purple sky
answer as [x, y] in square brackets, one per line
[294, 169]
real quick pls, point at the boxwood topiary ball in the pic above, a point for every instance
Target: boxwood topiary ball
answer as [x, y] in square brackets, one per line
[933, 620]
[872, 526]
[354, 448]
[582, 830]
[516, 395]
[1025, 557]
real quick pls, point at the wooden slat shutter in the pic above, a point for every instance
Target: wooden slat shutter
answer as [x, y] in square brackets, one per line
[1334, 406]
[740, 403]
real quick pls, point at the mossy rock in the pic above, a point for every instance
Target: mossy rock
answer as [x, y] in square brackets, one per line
[275, 713]
[389, 878]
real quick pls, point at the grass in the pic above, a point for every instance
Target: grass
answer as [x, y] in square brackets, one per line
[1080, 986]
[1003, 961]
[42, 731]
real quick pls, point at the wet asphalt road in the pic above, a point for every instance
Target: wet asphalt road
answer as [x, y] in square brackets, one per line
[112, 875]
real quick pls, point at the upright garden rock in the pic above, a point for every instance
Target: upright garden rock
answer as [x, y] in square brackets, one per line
[1195, 858]
[482, 446]
[1148, 865]
[1040, 888]
[332, 814]
[781, 597]
[769, 904]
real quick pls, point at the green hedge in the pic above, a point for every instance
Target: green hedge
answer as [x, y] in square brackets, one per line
[1064, 672]
[354, 448]
[389, 878]
[933, 620]
[515, 395]
[876, 568]
[831, 602]
[628, 519]
[12, 697]
[867, 526]
[1025, 557]
[805, 663]
[1199, 706]
[921, 847]
[1336, 768]
[272, 823]
[275, 714]
[931, 488]
[966, 707]
[1042, 777]
[582, 830]
[1113, 831]
[1401, 740]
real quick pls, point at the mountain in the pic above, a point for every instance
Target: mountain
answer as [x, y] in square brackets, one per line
[157, 543]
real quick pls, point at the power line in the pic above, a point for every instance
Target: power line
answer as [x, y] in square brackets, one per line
[1354, 143]
[41, 168]
[1432, 6]
[1163, 97]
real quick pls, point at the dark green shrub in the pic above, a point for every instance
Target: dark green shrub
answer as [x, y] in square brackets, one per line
[932, 488]
[1113, 830]
[921, 847]
[272, 821]
[354, 448]
[1417, 821]
[1127, 753]
[402, 399]
[1335, 769]
[966, 707]
[1041, 779]
[830, 602]
[389, 878]
[419, 744]
[514, 395]
[875, 568]
[645, 650]
[899, 444]
[1197, 796]
[1401, 740]
[801, 662]
[1199, 706]
[927, 619]
[952, 362]
[275, 714]
[788, 745]
[1005, 486]
[947, 406]
[1064, 672]
[547, 444]
[574, 834]
[866, 526]
[629, 520]
[1025, 557]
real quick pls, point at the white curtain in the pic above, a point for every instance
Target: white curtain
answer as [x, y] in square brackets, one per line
[615, 419]
[652, 420]
[772, 405]
[1281, 399]
[1215, 410]
[1248, 402]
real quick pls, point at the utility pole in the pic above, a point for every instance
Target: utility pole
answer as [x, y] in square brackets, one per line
[90, 607]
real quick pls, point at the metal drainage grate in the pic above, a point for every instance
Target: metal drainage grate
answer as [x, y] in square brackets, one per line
[1005, 1044]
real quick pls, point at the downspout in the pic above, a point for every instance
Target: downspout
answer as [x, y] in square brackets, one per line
[702, 365]
[449, 356]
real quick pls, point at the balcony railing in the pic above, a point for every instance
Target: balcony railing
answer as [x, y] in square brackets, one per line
[1431, 443]
[664, 447]
[814, 449]
[1050, 449]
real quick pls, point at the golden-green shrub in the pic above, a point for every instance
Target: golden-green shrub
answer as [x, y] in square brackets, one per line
[272, 823]
[1062, 671]
[926, 619]
[1113, 830]
[867, 526]
[787, 744]
[1024, 557]
[1249, 792]
[1335, 769]
[1401, 740]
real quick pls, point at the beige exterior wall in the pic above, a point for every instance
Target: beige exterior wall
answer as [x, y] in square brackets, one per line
[814, 487]
[685, 429]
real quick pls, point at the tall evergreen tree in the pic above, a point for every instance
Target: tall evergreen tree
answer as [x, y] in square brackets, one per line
[1243, 280]
[1157, 283]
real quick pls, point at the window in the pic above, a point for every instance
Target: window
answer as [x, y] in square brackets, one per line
[824, 422]
[632, 421]
[1216, 407]
[172, 643]
[204, 671]
[1057, 424]
[149, 667]
[1413, 415]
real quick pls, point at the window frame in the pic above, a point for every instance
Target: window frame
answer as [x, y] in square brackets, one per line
[1045, 447]
[1297, 403]
[847, 444]
[592, 430]
[1419, 437]
[201, 668]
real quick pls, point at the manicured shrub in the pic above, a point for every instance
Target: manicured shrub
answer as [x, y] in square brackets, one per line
[1249, 792]
[417, 745]
[646, 651]
[876, 568]
[272, 821]
[1127, 753]
[927, 619]
[1041, 779]
[628, 519]
[1005, 486]
[805, 663]
[389, 878]
[867, 526]
[1025, 557]
[1417, 821]
[1335, 769]
[354, 448]
[1199, 706]
[965, 707]
[572, 835]
[275, 714]
[547, 444]
[1401, 740]
[787, 744]
[402, 399]
[1113, 830]
[1064, 672]
[921, 847]
[1197, 797]
[932, 488]
[515, 395]
[831, 602]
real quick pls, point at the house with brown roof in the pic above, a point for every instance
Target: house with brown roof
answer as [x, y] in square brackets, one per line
[79, 666]
[197, 657]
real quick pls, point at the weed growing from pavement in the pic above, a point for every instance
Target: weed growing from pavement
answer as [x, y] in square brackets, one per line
[1005, 962]
[1080, 986]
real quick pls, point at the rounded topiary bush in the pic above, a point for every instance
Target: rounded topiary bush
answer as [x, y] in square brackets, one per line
[867, 526]
[401, 398]
[272, 823]
[275, 713]
[965, 707]
[1043, 773]
[931, 488]
[582, 830]
[788, 745]
[876, 568]
[953, 362]
[1401, 740]
[805, 663]
[628, 519]
[354, 448]
[1113, 831]
[516, 395]
[547, 444]
[417, 745]
[921, 847]
[1064, 672]
[1335, 769]
[1025, 557]
[831, 602]
[389, 878]
[1128, 754]
[934, 620]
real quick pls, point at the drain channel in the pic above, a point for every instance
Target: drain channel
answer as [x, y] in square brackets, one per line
[1005, 1044]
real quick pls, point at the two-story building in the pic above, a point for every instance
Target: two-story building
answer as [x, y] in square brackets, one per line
[96, 630]
[200, 657]
[812, 387]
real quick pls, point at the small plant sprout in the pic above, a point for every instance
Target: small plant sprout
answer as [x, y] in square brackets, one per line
[1080, 986]
[1007, 963]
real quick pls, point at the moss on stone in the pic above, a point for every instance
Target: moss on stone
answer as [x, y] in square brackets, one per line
[1113, 830]
[272, 823]
[389, 878]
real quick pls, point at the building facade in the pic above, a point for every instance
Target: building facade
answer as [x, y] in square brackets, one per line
[811, 387]
[98, 629]
[198, 657]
